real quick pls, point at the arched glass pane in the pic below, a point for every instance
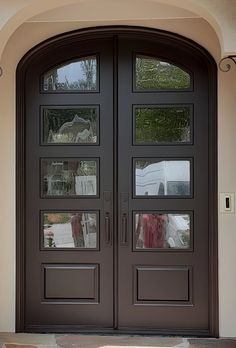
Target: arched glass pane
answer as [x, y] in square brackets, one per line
[80, 75]
[154, 74]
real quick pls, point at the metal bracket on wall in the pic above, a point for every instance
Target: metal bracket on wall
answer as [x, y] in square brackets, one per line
[226, 63]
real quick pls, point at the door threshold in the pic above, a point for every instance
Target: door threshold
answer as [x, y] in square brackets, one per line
[88, 330]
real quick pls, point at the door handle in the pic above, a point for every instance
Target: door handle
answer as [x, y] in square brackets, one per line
[124, 214]
[124, 229]
[107, 228]
[107, 211]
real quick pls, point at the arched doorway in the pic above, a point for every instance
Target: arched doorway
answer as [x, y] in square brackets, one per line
[116, 184]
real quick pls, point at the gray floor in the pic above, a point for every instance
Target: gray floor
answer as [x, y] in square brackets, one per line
[10, 340]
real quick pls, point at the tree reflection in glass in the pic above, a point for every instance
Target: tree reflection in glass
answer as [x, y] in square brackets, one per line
[80, 75]
[155, 74]
[162, 124]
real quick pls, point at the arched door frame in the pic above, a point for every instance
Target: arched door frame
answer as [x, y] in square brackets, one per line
[97, 32]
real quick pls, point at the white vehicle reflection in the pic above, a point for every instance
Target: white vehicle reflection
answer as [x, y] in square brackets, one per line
[162, 178]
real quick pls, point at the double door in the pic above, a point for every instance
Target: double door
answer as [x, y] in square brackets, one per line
[116, 188]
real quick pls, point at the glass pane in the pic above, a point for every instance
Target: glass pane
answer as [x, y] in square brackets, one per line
[162, 231]
[69, 177]
[162, 125]
[152, 73]
[70, 126]
[161, 178]
[70, 230]
[80, 75]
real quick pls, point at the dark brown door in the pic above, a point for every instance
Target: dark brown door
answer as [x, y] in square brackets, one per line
[69, 181]
[163, 169]
[117, 185]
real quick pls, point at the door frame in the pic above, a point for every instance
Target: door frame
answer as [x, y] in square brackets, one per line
[93, 33]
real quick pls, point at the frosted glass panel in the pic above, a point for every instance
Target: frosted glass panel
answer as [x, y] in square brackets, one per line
[70, 126]
[69, 177]
[80, 75]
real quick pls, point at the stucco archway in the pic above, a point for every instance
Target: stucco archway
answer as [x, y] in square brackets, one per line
[28, 35]
[218, 15]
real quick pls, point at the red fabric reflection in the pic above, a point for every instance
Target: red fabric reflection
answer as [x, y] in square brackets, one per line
[154, 230]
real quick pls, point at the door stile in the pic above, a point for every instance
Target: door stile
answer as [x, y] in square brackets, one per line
[115, 182]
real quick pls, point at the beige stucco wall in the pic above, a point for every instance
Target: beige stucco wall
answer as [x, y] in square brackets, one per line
[227, 183]
[30, 34]
[220, 14]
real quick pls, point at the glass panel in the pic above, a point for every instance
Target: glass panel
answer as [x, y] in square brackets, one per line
[70, 230]
[153, 74]
[162, 231]
[80, 75]
[161, 178]
[69, 126]
[69, 177]
[162, 125]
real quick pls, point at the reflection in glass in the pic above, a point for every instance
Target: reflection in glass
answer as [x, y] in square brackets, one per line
[162, 125]
[162, 231]
[161, 178]
[69, 177]
[153, 73]
[70, 230]
[80, 75]
[70, 125]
